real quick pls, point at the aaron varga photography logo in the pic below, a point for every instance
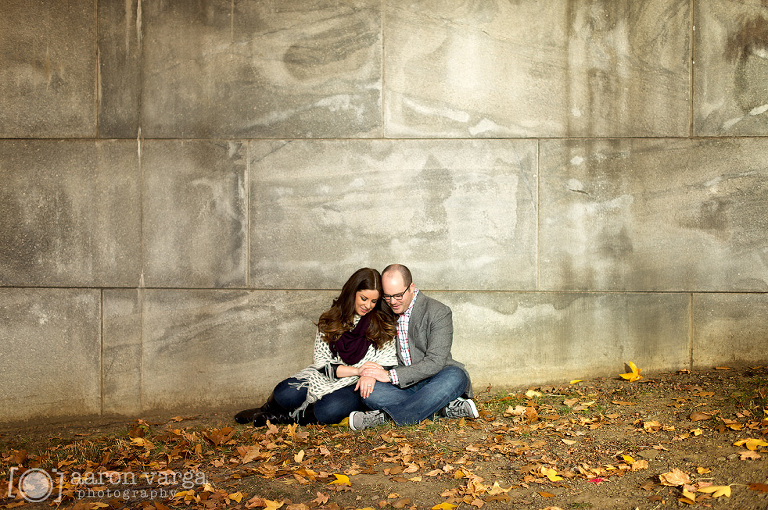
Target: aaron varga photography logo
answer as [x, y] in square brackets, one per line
[37, 485]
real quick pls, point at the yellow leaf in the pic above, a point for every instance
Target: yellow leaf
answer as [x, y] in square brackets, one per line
[689, 496]
[532, 393]
[751, 443]
[575, 381]
[272, 505]
[236, 496]
[634, 374]
[717, 490]
[299, 457]
[629, 460]
[703, 470]
[181, 494]
[341, 480]
[96, 505]
[444, 506]
[551, 474]
[458, 474]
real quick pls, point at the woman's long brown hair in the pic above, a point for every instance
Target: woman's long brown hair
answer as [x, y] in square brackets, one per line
[339, 318]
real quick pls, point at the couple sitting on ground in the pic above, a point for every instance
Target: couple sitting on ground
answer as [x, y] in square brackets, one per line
[375, 362]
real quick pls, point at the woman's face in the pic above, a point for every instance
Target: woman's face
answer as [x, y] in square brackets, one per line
[365, 300]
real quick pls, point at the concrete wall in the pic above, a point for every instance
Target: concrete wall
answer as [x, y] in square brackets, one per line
[185, 185]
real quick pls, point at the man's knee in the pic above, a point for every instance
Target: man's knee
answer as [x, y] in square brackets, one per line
[455, 377]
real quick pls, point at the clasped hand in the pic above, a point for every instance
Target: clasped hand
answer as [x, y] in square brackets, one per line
[369, 373]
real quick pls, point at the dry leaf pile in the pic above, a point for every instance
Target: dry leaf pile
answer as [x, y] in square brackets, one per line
[668, 440]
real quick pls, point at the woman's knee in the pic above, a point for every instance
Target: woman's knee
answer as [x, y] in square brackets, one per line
[288, 394]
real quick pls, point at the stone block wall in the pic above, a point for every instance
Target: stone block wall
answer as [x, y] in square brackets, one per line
[184, 187]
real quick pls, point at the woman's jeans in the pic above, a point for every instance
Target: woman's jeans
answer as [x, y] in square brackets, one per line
[332, 408]
[407, 406]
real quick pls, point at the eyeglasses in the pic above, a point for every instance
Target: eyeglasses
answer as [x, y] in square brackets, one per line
[396, 297]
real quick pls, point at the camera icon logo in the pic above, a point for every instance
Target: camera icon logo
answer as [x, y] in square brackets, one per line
[35, 484]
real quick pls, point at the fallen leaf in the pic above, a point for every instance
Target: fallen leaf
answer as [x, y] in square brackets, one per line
[340, 480]
[299, 457]
[321, 499]
[674, 478]
[597, 481]
[497, 489]
[717, 490]
[761, 487]
[700, 416]
[546, 495]
[575, 381]
[551, 474]
[444, 506]
[751, 444]
[749, 455]
[688, 497]
[634, 373]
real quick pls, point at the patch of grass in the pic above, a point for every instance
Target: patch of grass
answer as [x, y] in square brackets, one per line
[751, 394]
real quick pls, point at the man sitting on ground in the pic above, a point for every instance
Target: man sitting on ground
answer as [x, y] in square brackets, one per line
[427, 380]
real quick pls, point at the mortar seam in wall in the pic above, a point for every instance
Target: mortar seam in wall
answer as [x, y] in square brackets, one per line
[383, 82]
[692, 61]
[247, 214]
[140, 290]
[538, 213]
[691, 332]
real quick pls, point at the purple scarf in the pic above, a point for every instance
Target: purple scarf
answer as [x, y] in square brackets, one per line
[352, 345]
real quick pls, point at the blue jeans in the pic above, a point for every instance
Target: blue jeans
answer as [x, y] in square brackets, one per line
[407, 406]
[332, 408]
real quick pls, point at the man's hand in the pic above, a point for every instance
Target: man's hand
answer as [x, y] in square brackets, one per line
[378, 373]
[365, 386]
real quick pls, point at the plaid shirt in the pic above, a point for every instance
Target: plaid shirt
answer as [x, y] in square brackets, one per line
[402, 337]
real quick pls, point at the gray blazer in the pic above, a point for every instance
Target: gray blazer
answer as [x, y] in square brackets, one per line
[430, 336]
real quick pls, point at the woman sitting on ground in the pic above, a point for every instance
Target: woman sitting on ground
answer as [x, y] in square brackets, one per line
[356, 332]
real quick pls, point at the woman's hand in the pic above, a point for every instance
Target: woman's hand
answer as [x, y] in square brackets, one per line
[365, 386]
[378, 373]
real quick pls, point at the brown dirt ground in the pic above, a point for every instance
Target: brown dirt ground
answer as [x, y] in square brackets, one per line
[601, 443]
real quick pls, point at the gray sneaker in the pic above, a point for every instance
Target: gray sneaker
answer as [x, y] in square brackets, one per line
[359, 420]
[459, 408]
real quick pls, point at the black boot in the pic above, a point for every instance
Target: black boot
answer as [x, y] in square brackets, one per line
[273, 412]
[249, 415]
[308, 416]
[283, 416]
